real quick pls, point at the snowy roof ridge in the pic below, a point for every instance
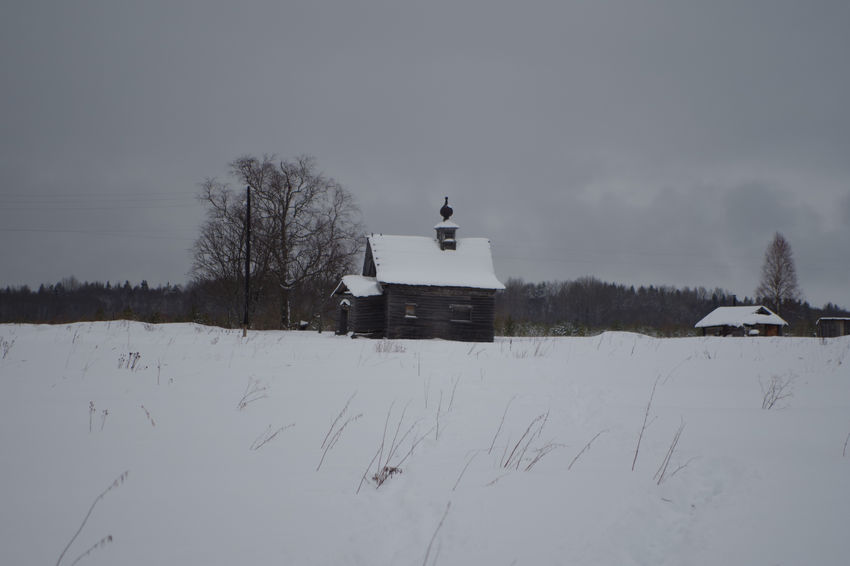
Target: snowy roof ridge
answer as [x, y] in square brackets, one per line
[417, 260]
[740, 316]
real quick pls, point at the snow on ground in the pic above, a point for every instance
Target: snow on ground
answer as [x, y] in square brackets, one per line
[743, 485]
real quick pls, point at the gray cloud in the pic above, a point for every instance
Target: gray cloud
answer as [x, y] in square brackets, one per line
[658, 142]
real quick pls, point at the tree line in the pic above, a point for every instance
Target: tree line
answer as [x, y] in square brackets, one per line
[70, 300]
[303, 231]
[558, 308]
[589, 306]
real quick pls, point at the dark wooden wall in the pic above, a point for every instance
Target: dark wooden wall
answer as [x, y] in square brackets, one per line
[433, 314]
[368, 315]
[831, 328]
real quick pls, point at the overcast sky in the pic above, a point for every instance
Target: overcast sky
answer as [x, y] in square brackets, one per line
[639, 142]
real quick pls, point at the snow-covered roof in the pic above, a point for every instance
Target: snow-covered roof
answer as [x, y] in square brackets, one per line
[417, 260]
[359, 286]
[446, 224]
[740, 316]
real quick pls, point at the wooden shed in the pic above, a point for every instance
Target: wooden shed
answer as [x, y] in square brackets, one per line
[833, 326]
[420, 287]
[754, 320]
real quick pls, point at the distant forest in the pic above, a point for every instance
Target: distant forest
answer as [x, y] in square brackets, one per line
[589, 306]
[560, 308]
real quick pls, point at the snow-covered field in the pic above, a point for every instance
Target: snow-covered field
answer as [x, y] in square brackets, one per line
[491, 440]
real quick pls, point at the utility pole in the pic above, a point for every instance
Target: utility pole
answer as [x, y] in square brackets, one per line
[247, 260]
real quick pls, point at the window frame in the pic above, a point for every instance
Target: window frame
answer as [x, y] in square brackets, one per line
[410, 310]
[465, 312]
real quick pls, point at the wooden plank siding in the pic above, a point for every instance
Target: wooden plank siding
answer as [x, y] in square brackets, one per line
[434, 317]
[833, 327]
[727, 330]
[368, 315]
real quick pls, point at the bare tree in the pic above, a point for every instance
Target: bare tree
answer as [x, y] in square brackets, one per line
[778, 275]
[304, 233]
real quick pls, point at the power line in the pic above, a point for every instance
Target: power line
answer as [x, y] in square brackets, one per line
[98, 194]
[85, 208]
[140, 234]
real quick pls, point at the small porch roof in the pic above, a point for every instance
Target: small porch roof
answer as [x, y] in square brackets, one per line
[358, 286]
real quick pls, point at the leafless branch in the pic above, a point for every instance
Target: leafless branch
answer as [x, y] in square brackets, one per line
[775, 391]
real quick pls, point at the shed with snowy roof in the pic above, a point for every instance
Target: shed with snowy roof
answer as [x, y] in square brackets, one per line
[833, 326]
[753, 320]
[419, 287]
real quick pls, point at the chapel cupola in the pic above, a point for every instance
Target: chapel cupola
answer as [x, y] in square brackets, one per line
[446, 230]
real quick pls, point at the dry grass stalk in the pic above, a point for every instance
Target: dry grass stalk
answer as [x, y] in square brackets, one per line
[384, 435]
[414, 444]
[516, 455]
[777, 390]
[99, 544]
[646, 421]
[682, 466]
[5, 346]
[254, 391]
[501, 423]
[434, 536]
[439, 406]
[386, 467]
[541, 452]
[393, 445]
[389, 347]
[496, 479]
[662, 470]
[129, 361]
[463, 471]
[268, 436]
[452, 399]
[118, 481]
[338, 417]
[369, 467]
[335, 438]
[148, 415]
[586, 448]
[384, 474]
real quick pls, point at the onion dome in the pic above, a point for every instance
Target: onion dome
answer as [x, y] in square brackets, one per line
[446, 211]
